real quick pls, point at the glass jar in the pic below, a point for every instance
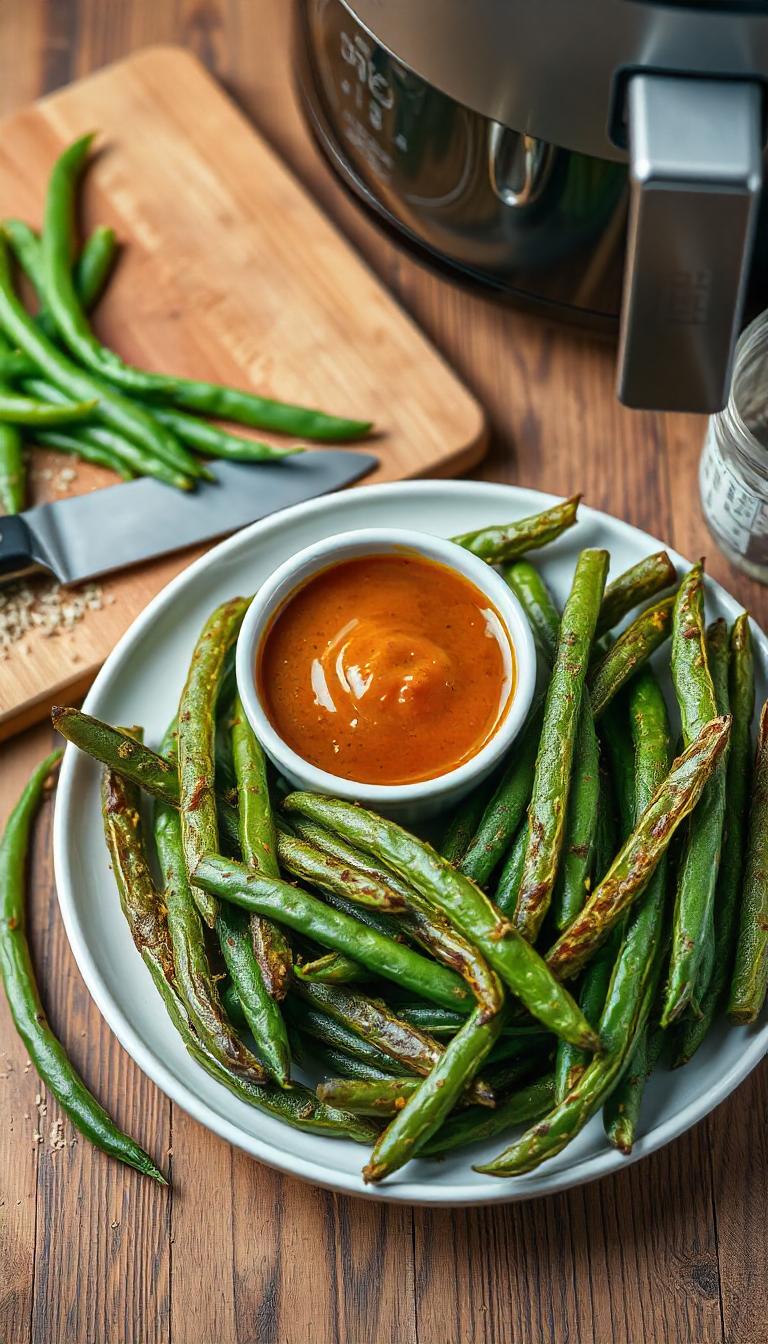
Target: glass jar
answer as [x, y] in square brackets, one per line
[733, 472]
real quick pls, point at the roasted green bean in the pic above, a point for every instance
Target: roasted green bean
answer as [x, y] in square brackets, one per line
[633, 648]
[741, 695]
[750, 972]
[647, 578]
[536, 600]
[452, 894]
[546, 813]
[634, 864]
[193, 977]
[330, 927]
[197, 800]
[433, 1100]
[700, 860]
[499, 544]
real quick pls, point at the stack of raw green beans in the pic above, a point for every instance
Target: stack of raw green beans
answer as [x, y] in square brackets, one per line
[61, 388]
[599, 908]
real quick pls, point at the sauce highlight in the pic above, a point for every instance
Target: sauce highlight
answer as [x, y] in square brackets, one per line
[388, 669]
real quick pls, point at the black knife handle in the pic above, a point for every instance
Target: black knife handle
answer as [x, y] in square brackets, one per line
[17, 546]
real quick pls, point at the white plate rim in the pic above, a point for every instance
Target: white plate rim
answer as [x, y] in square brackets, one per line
[541, 1182]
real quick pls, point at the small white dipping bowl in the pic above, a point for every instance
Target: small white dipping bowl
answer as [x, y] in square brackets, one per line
[403, 802]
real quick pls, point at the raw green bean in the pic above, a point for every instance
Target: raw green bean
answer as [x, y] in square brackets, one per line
[330, 927]
[462, 903]
[77, 446]
[197, 800]
[17, 409]
[546, 813]
[506, 808]
[434, 1099]
[90, 270]
[633, 866]
[13, 478]
[25, 246]
[741, 694]
[104, 439]
[497, 544]
[194, 979]
[57, 244]
[646, 579]
[216, 442]
[536, 600]
[112, 408]
[246, 408]
[633, 648]
[692, 927]
[94, 265]
[44, 1049]
[750, 972]
[226, 403]
[473, 1126]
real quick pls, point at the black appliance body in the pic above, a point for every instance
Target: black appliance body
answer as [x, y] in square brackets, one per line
[599, 160]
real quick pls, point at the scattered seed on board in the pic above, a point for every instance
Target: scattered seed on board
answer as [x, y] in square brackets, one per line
[43, 606]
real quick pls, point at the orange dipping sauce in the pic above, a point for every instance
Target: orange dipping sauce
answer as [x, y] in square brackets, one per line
[388, 669]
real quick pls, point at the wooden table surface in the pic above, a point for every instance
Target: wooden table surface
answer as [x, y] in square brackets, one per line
[673, 1250]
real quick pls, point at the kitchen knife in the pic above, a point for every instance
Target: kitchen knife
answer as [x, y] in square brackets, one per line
[122, 525]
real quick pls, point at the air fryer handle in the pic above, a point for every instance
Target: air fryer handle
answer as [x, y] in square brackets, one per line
[695, 175]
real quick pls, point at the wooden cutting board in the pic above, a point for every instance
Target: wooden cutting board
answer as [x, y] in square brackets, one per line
[228, 272]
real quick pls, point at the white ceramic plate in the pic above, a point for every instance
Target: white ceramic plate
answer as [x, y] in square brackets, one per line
[140, 683]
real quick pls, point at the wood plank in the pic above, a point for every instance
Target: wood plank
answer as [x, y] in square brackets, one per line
[19, 1154]
[229, 272]
[738, 1145]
